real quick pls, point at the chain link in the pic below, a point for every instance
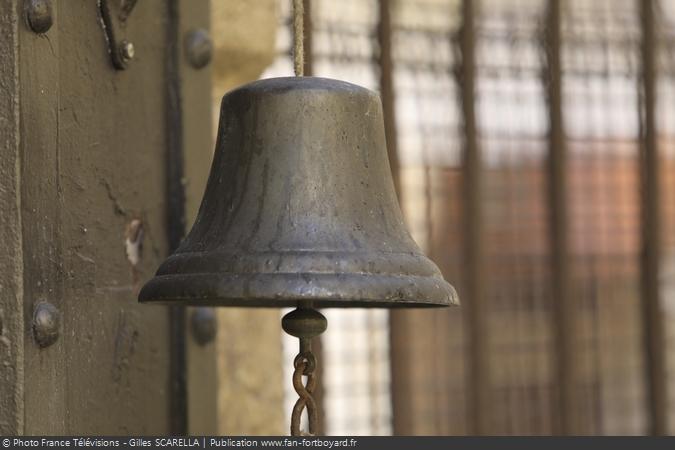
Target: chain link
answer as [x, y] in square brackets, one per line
[305, 364]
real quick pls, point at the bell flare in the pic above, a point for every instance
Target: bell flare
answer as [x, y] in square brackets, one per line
[300, 208]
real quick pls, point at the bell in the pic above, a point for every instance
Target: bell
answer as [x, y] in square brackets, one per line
[300, 209]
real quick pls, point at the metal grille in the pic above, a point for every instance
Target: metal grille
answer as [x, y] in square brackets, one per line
[530, 366]
[601, 66]
[512, 132]
[429, 142]
[356, 345]
[529, 135]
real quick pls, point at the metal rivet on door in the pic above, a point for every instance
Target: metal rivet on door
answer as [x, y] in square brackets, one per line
[46, 319]
[39, 15]
[115, 17]
[204, 325]
[198, 48]
[127, 50]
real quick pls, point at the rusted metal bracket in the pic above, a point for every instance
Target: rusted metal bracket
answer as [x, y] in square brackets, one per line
[114, 16]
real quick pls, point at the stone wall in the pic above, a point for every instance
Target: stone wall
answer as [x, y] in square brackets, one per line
[250, 395]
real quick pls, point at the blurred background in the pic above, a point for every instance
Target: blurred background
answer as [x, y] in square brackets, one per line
[533, 147]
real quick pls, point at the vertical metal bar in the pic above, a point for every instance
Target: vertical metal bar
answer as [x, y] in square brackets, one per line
[653, 325]
[175, 217]
[398, 337]
[387, 89]
[565, 311]
[474, 301]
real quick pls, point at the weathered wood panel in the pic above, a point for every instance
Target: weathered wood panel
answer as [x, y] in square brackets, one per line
[11, 255]
[42, 202]
[93, 146]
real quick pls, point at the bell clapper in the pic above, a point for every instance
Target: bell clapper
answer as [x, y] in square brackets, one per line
[304, 323]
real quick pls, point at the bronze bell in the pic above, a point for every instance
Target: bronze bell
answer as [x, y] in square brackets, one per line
[300, 209]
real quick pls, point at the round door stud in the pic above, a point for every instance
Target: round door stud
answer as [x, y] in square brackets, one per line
[198, 48]
[204, 325]
[39, 15]
[46, 319]
[127, 51]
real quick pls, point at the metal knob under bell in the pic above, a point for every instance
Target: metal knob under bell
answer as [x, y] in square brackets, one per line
[300, 207]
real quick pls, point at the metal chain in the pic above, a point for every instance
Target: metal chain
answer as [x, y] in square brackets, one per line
[305, 364]
[304, 323]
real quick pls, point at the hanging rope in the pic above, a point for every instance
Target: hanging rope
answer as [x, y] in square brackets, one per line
[298, 38]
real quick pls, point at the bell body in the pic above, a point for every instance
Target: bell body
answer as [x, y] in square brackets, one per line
[300, 207]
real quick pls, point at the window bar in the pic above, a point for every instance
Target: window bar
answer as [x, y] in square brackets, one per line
[387, 88]
[565, 309]
[175, 197]
[649, 170]
[473, 299]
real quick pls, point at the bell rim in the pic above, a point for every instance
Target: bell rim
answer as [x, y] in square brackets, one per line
[279, 290]
[379, 262]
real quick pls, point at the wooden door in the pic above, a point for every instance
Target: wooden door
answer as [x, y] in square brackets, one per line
[91, 199]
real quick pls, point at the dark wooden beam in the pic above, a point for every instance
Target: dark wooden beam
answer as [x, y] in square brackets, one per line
[473, 300]
[565, 309]
[175, 220]
[651, 229]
